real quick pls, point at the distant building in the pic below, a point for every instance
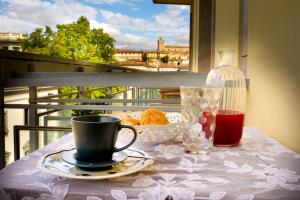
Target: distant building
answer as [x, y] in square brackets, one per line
[177, 57]
[128, 55]
[11, 41]
[152, 55]
[171, 48]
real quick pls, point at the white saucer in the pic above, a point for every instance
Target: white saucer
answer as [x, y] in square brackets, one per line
[53, 163]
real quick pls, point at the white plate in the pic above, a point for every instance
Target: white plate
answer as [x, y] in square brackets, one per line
[54, 164]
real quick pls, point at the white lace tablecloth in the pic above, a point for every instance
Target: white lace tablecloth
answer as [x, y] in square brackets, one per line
[260, 168]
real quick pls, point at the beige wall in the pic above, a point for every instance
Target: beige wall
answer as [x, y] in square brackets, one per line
[227, 27]
[273, 99]
[274, 69]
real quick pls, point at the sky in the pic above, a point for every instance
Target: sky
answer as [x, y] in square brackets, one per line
[135, 24]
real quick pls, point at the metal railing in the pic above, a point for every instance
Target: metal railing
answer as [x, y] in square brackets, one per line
[19, 69]
[31, 128]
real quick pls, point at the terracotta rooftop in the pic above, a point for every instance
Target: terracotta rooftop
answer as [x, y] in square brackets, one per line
[156, 51]
[128, 51]
[175, 46]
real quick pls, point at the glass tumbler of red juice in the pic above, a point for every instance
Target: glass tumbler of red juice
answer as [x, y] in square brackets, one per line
[229, 128]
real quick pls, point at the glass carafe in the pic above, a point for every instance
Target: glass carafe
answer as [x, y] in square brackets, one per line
[230, 117]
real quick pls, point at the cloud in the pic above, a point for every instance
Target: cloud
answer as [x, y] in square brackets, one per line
[105, 1]
[180, 38]
[124, 21]
[170, 20]
[129, 4]
[170, 23]
[125, 40]
[27, 14]
[15, 25]
[171, 17]
[106, 27]
[129, 32]
[131, 41]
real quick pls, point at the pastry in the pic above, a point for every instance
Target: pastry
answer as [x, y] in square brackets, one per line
[153, 116]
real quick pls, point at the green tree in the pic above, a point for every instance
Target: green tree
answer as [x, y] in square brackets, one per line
[144, 57]
[77, 41]
[165, 59]
[38, 41]
[73, 41]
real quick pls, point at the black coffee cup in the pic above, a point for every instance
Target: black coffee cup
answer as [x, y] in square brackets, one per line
[96, 136]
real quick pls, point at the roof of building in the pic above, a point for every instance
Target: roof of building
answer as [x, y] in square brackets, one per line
[128, 51]
[175, 46]
[156, 51]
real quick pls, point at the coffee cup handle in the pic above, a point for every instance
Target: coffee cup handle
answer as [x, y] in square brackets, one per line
[131, 142]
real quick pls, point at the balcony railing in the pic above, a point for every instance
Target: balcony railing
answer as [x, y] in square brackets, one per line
[19, 69]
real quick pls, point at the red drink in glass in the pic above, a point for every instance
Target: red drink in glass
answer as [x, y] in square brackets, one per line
[229, 128]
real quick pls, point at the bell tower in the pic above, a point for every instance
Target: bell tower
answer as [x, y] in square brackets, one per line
[160, 44]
